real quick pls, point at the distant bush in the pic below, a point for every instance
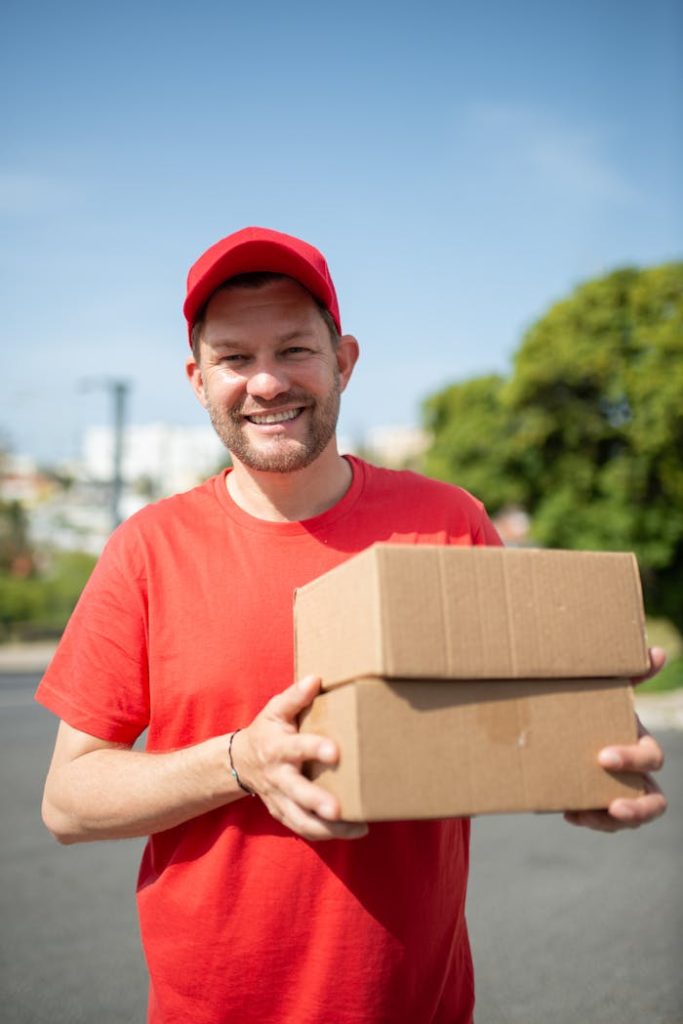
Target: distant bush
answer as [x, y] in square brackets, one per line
[21, 600]
[40, 605]
[68, 574]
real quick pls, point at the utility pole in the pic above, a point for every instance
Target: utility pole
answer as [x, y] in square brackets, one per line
[119, 391]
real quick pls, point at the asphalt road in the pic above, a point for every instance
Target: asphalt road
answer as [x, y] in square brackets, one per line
[567, 926]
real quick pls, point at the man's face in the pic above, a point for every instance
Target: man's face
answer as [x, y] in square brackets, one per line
[269, 375]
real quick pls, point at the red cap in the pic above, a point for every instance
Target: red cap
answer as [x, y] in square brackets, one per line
[254, 249]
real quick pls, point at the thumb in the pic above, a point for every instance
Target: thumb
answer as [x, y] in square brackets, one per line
[657, 662]
[287, 705]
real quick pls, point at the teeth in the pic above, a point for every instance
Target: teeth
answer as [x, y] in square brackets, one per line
[275, 417]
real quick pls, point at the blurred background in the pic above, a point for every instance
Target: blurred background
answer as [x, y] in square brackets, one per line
[497, 188]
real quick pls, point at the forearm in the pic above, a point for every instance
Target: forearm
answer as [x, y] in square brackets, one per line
[97, 789]
[120, 793]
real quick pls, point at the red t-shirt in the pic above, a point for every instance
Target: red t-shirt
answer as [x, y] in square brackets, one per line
[185, 629]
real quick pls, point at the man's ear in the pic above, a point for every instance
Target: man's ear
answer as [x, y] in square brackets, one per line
[196, 378]
[347, 352]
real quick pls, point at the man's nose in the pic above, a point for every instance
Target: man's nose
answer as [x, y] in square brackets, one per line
[268, 381]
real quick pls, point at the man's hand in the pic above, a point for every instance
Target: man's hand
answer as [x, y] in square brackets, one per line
[643, 757]
[269, 755]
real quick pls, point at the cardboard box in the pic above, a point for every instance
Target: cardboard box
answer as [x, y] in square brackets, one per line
[425, 749]
[426, 612]
[472, 680]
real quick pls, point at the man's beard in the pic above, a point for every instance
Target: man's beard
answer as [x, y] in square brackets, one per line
[280, 454]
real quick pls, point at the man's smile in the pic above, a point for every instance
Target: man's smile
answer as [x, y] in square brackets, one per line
[273, 417]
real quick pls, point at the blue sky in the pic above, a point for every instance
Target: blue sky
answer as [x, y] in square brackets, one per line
[462, 167]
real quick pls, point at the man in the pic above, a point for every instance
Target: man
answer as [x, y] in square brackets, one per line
[185, 630]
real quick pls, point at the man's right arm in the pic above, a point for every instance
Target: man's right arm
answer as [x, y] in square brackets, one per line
[97, 789]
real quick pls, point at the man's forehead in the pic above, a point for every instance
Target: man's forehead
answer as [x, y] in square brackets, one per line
[283, 302]
[277, 289]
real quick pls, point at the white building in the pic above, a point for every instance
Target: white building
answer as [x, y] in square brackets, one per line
[165, 458]
[397, 446]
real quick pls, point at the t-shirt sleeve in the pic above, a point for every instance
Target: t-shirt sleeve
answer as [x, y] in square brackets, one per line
[98, 680]
[486, 534]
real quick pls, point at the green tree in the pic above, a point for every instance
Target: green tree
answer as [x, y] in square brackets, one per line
[470, 425]
[16, 554]
[589, 426]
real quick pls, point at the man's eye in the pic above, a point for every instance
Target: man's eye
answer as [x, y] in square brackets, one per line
[234, 358]
[296, 350]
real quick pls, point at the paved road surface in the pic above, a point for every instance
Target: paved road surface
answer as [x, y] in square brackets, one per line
[567, 926]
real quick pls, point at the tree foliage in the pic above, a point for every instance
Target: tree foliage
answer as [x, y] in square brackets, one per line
[587, 432]
[15, 548]
[469, 424]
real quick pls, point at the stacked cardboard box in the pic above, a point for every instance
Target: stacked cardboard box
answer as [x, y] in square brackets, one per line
[470, 680]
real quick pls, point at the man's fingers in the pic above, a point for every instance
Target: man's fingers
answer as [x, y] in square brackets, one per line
[641, 758]
[284, 749]
[309, 826]
[624, 813]
[286, 782]
[599, 821]
[278, 756]
[306, 746]
[642, 808]
[273, 752]
[644, 756]
[657, 663]
[308, 796]
[309, 811]
[637, 812]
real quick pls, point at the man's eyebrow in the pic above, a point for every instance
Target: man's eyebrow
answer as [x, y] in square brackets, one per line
[298, 332]
[233, 343]
[224, 343]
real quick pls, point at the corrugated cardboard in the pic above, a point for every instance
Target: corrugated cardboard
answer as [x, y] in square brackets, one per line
[427, 612]
[421, 749]
[465, 681]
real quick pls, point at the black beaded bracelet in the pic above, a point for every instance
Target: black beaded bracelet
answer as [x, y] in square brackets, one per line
[233, 770]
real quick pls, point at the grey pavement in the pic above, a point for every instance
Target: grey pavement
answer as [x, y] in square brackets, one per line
[19, 658]
[566, 925]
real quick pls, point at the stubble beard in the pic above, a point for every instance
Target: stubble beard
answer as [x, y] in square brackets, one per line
[281, 454]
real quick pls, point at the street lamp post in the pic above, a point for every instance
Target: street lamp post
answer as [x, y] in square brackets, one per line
[119, 390]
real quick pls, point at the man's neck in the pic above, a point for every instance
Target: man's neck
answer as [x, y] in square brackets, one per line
[291, 497]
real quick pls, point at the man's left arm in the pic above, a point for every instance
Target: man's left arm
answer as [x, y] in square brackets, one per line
[643, 757]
